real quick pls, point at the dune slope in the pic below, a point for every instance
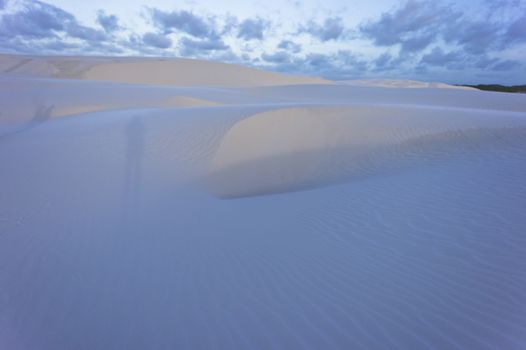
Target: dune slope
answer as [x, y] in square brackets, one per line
[297, 148]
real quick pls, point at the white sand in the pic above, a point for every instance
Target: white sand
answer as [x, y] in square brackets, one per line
[240, 209]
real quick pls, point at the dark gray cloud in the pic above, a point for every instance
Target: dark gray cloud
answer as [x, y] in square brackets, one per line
[252, 28]
[290, 46]
[331, 29]
[183, 21]
[160, 41]
[110, 23]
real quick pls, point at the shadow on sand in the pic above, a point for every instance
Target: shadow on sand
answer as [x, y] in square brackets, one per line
[134, 134]
[42, 114]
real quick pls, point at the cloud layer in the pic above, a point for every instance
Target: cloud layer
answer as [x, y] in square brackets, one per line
[418, 39]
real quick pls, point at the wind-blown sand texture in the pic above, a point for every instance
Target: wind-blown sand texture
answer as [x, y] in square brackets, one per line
[240, 209]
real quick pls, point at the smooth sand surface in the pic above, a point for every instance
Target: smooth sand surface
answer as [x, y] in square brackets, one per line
[227, 213]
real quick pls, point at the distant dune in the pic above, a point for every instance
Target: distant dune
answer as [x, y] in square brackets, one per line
[393, 83]
[180, 204]
[152, 71]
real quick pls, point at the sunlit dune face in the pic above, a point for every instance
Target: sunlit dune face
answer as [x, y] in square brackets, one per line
[300, 148]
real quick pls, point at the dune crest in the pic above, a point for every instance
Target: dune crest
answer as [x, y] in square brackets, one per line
[187, 101]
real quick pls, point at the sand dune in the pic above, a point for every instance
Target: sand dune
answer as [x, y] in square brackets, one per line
[265, 216]
[397, 83]
[174, 101]
[297, 148]
[151, 71]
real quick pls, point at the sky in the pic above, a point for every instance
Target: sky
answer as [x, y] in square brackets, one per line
[460, 42]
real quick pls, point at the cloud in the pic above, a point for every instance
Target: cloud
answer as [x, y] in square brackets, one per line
[35, 20]
[417, 43]
[475, 37]
[35, 47]
[383, 60]
[110, 23]
[517, 30]
[506, 65]
[439, 58]
[459, 61]
[340, 65]
[278, 57]
[331, 29]
[78, 31]
[37, 27]
[417, 24]
[317, 60]
[229, 56]
[190, 47]
[350, 61]
[38, 20]
[157, 40]
[484, 62]
[414, 25]
[252, 28]
[183, 21]
[289, 46]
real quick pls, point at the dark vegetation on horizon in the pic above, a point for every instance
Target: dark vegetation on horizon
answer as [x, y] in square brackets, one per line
[499, 88]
